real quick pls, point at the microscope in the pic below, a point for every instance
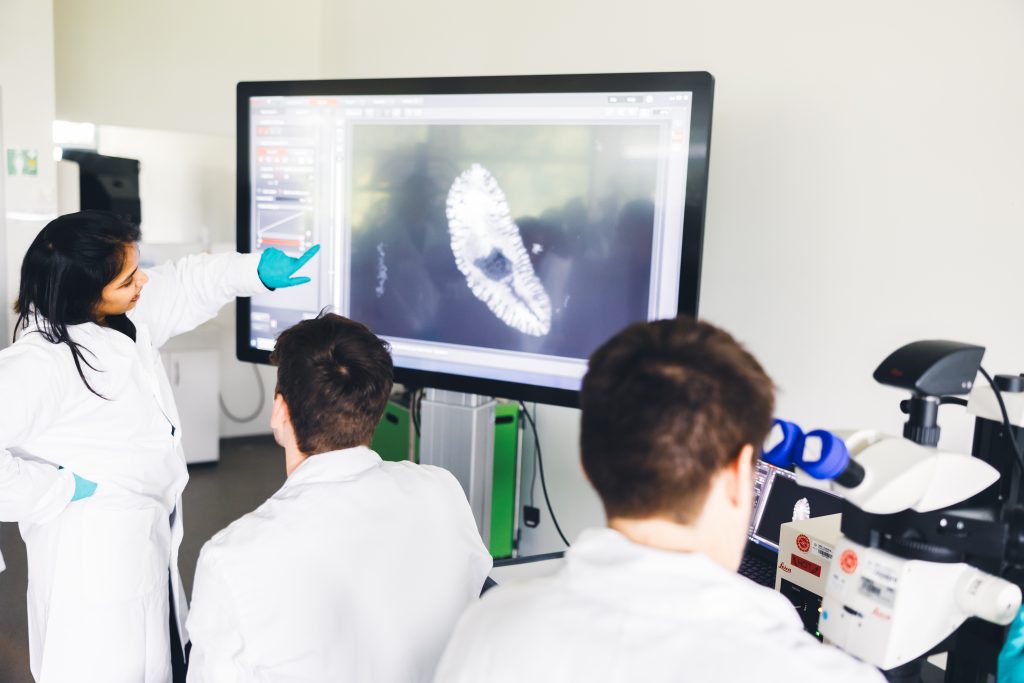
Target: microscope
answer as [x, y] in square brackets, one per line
[931, 557]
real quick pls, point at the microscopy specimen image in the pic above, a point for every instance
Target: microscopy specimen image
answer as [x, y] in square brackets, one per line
[489, 252]
[532, 238]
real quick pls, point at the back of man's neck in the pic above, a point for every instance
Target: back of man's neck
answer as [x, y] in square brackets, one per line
[664, 534]
[293, 457]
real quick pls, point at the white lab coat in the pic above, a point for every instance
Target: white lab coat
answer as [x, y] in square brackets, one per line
[355, 570]
[98, 567]
[619, 611]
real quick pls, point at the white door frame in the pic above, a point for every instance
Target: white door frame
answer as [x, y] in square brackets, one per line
[5, 300]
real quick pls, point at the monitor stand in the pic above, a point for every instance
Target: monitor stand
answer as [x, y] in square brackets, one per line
[457, 433]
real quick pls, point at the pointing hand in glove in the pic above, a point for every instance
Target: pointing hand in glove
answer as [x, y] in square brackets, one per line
[277, 268]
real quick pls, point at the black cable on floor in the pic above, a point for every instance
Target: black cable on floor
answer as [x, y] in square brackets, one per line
[259, 402]
[540, 466]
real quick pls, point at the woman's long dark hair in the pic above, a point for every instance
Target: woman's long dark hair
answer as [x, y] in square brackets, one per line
[64, 272]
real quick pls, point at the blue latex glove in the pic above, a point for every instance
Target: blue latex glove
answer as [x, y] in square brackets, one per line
[83, 488]
[1011, 658]
[276, 267]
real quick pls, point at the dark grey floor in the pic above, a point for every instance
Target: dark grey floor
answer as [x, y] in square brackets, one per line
[250, 470]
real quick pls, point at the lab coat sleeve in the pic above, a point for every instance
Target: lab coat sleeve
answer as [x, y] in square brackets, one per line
[457, 656]
[217, 644]
[31, 387]
[808, 658]
[183, 294]
[469, 655]
[481, 562]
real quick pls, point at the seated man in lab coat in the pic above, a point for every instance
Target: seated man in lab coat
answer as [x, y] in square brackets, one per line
[673, 412]
[356, 569]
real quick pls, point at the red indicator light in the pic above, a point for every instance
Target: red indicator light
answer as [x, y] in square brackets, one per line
[806, 565]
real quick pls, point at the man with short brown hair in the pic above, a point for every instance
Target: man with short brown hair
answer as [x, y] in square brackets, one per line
[356, 569]
[673, 413]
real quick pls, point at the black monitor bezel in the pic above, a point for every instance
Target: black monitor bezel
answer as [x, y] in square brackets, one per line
[699, 83]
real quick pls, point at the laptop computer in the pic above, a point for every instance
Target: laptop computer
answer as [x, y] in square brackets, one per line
[778, 499]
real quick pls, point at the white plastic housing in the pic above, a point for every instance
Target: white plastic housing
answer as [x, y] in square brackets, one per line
[988, 597]
[888, 611]
[902, 475]
[981, 402]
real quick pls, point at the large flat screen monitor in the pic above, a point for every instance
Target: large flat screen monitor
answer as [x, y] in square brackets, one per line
[494, 230]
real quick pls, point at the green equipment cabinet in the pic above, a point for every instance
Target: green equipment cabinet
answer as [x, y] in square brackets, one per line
[395, 440]
[505, 479]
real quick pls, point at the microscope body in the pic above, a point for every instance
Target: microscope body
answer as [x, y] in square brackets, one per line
[889, 611]
[930, 539]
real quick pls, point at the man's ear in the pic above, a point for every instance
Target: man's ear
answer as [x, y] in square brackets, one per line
[740, 476]
[279, 414]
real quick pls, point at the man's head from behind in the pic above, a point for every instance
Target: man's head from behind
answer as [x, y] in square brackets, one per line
[673, 413]
[334, 377]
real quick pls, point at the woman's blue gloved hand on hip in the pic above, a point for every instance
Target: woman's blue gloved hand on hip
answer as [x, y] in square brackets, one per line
[1011, 659]
[83, 488]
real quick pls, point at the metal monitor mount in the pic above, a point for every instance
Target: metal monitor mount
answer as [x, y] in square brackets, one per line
[457, 433]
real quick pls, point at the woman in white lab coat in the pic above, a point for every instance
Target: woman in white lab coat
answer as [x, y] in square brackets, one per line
[90, 442]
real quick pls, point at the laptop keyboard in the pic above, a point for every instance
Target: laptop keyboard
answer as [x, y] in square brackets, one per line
[758, 570]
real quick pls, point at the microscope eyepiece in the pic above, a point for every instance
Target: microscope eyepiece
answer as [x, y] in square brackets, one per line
[825, 456]
[783, 444]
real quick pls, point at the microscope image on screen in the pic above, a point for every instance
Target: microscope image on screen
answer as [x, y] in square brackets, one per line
[533, 238]
[489, 251]
[788, 501]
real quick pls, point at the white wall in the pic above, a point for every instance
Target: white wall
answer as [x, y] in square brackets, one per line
[187, 181]
[174, 65]
[26, 113]
[866, 167]
[239, 386]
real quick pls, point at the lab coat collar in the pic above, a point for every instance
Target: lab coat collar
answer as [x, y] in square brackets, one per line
[84, 333]
[347, 463]
[668, 584]
[605, 549]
